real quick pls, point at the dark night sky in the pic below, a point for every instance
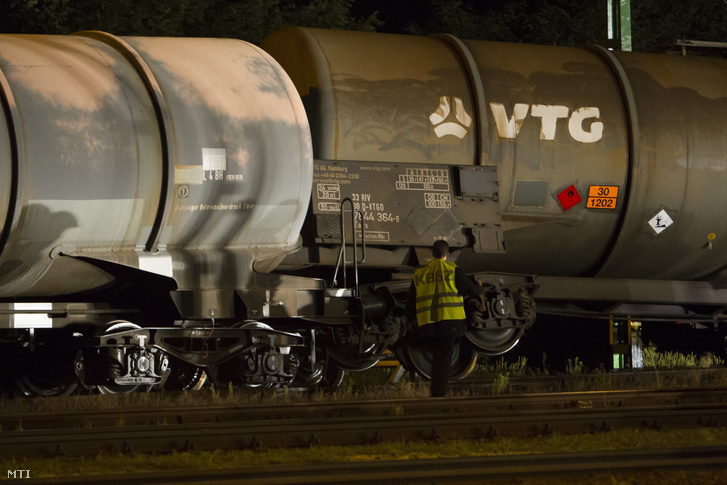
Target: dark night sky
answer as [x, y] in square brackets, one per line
[397, 14]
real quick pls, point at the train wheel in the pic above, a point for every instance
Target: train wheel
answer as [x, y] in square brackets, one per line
[115, 364]
[258, 367]
[348, 357]
[418, 358]
[327, 373]
[493, 341]
[333, 375]
[233, 373]
[48, 373]
[184, 376]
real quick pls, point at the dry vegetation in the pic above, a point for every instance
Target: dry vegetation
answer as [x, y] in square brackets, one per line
[374, 385]
[614, 440]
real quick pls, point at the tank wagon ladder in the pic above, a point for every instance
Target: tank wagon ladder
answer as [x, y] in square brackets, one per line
[342, 262]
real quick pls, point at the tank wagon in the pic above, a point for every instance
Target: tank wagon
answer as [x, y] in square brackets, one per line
[601, 172]
[173, 205]
[142, 179]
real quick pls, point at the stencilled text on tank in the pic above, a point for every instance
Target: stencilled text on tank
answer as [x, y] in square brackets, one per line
[214, 169]
[394, 203]
[214, 165]
[333, 183]
[431, 181]
[328, 180]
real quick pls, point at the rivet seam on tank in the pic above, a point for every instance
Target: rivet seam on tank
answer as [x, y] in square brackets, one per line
[508, 127]
[448, 122]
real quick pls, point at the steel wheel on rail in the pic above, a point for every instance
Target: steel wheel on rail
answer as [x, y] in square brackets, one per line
[325, 373]
[48, 372]
[46, 363]
[414, 355]
[493, 341]
[349, 358]
[113, 362]
[184, 376]
[258, 366]
[497, 341]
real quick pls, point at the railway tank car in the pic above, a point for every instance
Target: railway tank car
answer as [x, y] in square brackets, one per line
[131, 163]
[172, 205]
[601, 172]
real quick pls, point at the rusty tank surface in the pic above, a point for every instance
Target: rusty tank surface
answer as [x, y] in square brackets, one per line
[601, 163]
[140, 152]
[600, 172]
[175, 209]
[148, 168]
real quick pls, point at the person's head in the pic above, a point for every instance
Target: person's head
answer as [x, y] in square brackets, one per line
[440, 249]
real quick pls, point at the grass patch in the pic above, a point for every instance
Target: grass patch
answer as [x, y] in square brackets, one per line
[372, 384]
[211, 397]
[653, 359]
[628, 439]
[499, 384]
[497, 367]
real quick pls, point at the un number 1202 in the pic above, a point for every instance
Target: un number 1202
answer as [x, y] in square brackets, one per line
[601, 203]
[602, 197]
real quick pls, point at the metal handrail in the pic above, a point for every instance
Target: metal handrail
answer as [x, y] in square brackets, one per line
[341, 262]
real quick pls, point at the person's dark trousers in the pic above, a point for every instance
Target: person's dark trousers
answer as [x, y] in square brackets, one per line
[441, 337]
[442, 348]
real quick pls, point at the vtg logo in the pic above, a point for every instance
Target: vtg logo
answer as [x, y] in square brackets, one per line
[509, 126]
[449, 119]
[18, 473]
[584, 124]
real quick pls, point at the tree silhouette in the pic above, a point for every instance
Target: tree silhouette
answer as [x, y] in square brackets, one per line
[656, 24]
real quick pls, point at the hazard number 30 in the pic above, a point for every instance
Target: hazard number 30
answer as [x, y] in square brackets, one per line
[602, 197]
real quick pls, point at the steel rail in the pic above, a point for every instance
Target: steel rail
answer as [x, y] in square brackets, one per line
[662, 379]
[479, 469]
[365, 423]
[267, 412]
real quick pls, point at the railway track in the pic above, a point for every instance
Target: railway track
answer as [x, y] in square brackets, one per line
[479, 469]
[662, 379]
[346, 423]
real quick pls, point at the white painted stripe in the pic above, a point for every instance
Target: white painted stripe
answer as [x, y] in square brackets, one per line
[32, 320]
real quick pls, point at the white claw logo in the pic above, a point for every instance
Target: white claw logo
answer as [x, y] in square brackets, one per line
[457, 127]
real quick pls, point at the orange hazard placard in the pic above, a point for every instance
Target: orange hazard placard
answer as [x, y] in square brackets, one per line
[602, 197]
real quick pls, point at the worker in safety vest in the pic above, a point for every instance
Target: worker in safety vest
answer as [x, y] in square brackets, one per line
[436, 297]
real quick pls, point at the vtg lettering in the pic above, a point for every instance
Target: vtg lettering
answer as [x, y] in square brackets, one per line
[509, 126]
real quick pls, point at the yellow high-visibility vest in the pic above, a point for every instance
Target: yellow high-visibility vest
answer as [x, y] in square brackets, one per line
[437, 297]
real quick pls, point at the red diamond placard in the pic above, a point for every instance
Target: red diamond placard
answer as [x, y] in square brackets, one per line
[569, 197]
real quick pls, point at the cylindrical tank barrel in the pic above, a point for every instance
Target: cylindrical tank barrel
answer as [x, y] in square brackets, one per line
[678, 164]
[608, 164]
[186, 157]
